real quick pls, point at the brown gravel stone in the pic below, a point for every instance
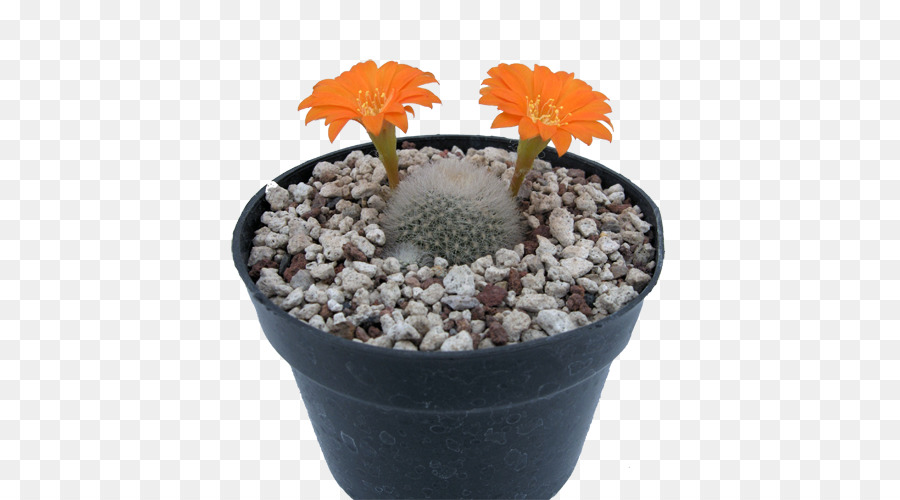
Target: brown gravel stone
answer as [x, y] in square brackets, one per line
[575, 173]
[577, 303]
[353, 253]
[498, 334]
[430, 281]
[478, 313]
[361, 334]
[345, 330]
[374, 331]
[492, 295]
[594, 178]
[514, 282]
[297, 263]
[408, 145]
[413, 282]
[530, 246]
[325, 312]
[542, 230]
[476, 339]
[463, 324]
[254, 271]
[617, 208]
[576, 290]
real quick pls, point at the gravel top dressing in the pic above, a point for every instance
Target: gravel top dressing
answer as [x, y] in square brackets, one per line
[322, 255]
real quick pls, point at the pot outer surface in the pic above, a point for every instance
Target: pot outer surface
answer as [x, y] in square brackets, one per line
[508, 422]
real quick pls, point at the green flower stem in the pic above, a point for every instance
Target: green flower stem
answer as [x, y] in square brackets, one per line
[526, 153]
[386, 144]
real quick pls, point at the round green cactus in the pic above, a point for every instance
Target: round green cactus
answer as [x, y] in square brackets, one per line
[455, 210]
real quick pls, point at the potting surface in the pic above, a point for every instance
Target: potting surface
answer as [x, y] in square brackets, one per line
[322, 255]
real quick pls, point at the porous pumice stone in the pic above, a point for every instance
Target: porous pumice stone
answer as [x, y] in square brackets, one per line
[324, 256]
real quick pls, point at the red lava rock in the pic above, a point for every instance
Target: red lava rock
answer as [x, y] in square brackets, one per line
[445, 312]
[449, 324]
[254, 271]
[408, 145]
[562, 189]
[430, 281]
[578, 180]
[594, 237]
[325, 313]
[542, 230]
[498, 334]
[578, 303]
[345, 330]
[617, 208]
[353, 253]
[338, 268]
[594, 178]
[575, 173]
[478, 313]
[575, 301]
[463, 324]
[514, 282]
[312, 214]
[530, 246]
[576, 290]
[318, 202]
[374, 332]
[492, 295]
[361, 334]
[297, 263]
[413, 282]
[475, 339]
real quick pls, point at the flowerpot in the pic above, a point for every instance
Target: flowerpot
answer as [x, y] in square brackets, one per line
[508, 422]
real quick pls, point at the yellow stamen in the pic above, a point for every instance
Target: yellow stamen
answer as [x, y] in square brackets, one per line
[547, 112]
[370, 104]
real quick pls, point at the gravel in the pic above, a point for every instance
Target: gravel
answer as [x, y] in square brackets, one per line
[319, 256]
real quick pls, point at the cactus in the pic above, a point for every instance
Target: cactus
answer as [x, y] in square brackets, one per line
[455, 210]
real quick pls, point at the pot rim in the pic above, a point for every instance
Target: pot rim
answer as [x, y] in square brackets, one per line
[549, 154]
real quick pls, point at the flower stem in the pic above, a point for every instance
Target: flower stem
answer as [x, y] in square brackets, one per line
[386, 144]
[526, 153]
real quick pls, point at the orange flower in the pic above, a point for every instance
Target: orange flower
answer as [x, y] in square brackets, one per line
[545, 106]
[554, 106]
[376, 97]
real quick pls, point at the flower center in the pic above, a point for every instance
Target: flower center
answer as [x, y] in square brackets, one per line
[370, 104]
[547, 112]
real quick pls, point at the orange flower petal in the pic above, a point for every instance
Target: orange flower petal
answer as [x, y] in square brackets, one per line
[335, 128]
[546, 131]
[527, 128]
[373, 123]
[397, 119]
[506, 120]
[561, 141]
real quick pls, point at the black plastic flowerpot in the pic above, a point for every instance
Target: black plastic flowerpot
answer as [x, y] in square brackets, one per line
[508, 422]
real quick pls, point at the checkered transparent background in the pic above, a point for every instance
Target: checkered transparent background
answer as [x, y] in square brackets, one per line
[764, 365]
